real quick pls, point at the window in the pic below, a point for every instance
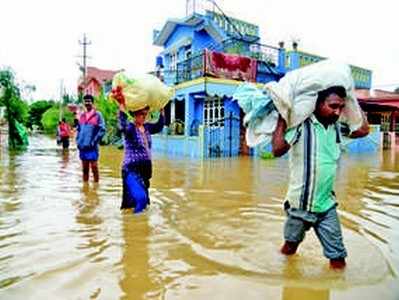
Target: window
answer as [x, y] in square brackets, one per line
[173, 61]
[214, 112]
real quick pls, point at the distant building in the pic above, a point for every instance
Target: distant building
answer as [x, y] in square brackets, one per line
[205, 56]
[297, 59]
[382, 108]
[96, 79]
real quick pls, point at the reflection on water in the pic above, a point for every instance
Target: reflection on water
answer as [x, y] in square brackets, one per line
[212, 232]
[305, 293]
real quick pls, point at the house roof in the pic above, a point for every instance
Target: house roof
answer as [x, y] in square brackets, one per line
[378, 98]
[209, 23]
[171, 25]
[98, 75]
[375, 94]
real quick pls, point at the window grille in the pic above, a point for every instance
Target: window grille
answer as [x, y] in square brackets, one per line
[214, 112]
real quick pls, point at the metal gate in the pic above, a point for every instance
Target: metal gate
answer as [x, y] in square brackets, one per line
[222, 137]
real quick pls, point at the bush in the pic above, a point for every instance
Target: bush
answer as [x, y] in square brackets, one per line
[16, 110]
[51, 118]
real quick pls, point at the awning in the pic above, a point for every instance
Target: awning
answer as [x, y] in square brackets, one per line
[392, 103]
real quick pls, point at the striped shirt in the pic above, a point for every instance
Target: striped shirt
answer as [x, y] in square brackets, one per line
[314, 154]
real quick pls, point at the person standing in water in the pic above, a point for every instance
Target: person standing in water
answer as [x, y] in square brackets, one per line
[64, 133]
[90, 130]
[137, 163]
[314, 151]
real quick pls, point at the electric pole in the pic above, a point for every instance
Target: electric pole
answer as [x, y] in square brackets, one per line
[61, 99]
[83, 67]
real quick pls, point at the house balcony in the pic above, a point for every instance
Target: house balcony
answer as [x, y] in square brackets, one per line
[238, 61]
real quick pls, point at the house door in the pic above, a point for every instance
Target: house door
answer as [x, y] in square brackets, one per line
[221, 136]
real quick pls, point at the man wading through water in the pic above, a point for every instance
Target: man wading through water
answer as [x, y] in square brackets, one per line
[91, 128]
[310, 200]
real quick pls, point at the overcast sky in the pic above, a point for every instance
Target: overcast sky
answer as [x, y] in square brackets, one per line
[39, 39]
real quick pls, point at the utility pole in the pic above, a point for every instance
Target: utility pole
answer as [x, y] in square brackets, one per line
[83, 67]
[61, 113]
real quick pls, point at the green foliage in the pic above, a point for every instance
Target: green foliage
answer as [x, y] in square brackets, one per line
[36, 111]
[16, 109]
[51, 118]
[69, 99]
[109, 111]
[397, 90]
[266, 155]
[79, 100]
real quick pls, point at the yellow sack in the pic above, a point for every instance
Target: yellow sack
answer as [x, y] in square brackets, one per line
[146, 90]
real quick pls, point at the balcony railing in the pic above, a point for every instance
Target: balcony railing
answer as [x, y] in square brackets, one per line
[191, 68]
[258, 51]
[194, 67]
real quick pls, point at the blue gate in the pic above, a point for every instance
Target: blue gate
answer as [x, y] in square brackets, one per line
[222, 137]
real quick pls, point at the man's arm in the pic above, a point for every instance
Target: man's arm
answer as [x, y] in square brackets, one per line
[279, 144]
[363, 130]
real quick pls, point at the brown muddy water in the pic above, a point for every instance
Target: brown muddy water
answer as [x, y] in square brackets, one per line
[213, 230]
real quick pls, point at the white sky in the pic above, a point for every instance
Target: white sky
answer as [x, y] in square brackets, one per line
[39, 39]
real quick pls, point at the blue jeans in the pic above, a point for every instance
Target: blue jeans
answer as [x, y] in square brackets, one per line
[135, 191]
[90, 154]
[326, 226]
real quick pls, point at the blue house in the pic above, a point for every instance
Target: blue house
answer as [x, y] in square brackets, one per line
[205, 57]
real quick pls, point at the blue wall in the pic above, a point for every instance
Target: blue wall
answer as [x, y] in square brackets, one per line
[176, 145]
[181, 32]
[369, 143]
[264, 75]
[201, 40]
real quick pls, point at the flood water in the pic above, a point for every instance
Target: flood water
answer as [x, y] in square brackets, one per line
[213, 230]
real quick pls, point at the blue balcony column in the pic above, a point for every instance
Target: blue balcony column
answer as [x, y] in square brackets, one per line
[281, 58]
[294, 57]
[189, 111]
[369, 81]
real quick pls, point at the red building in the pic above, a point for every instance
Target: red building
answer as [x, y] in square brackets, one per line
[382, 108]
[96, 79]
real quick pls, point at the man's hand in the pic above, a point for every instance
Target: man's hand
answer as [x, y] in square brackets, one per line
[363, 130]
[279, 144]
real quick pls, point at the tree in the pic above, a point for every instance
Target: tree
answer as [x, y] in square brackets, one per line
[36, 111]
[69, 99]
[109, 111]
[397, 90]
[16, 110]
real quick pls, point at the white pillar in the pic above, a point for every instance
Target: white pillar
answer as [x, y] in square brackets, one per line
[172, 111]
